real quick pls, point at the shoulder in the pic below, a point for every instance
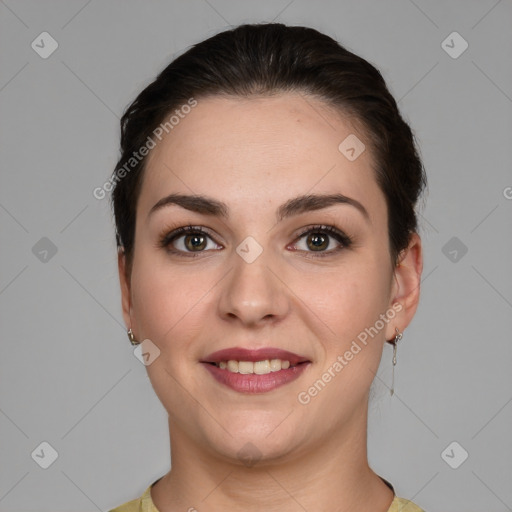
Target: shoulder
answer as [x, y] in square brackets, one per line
[142, 504]
[403, 505]
[129, 506]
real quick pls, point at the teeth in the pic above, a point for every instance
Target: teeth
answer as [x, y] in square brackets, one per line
[245, 367]
[262, 367]
[257, 367]
[232, 366]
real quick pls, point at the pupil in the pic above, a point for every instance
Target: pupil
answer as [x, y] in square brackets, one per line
[318, 240]
[196, 241]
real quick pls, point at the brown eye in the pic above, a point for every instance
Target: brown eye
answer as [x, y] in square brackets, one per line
[322, 240]
[195, 242]
[188, 241]
[318, 241]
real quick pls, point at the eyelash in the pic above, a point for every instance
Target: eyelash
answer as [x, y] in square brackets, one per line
[167, 239]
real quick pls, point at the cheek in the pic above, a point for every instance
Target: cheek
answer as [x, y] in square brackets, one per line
[349, 299]
[158, 304]
[169, 301]
[169, 307]
[350, 303]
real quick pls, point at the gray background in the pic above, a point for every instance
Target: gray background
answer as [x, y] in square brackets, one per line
[68, 374]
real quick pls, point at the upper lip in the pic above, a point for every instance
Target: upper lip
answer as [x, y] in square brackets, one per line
[243, 354]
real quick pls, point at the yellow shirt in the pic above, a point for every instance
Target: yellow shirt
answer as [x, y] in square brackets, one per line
[145, 503]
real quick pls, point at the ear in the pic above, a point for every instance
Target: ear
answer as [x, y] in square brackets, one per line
[124, 281]
[406, 286]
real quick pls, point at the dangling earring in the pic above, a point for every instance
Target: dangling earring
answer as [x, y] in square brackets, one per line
[398, 337]
[131, 337]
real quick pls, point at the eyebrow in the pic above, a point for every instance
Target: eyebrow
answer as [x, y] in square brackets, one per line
[208, 206]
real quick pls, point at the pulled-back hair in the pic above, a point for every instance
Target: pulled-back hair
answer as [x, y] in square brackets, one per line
[265, 59]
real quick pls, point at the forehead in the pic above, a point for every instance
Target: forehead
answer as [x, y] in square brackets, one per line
[259, 150]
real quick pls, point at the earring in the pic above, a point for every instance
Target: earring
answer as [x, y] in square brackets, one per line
[398, 337]
[131, 337]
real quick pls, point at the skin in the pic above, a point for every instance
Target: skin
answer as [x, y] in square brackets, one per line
[254, 155]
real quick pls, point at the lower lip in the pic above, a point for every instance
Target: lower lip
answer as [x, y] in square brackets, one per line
[253, 383]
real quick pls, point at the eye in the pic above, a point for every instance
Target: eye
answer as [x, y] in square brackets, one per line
[188, 239]
[191, 241]
[318, 239]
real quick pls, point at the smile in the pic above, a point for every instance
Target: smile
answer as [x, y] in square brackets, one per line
[255, 377]
[257, 367]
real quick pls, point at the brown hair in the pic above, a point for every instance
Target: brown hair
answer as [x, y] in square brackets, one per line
[269, 58]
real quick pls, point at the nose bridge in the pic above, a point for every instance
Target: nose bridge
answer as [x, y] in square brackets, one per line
[253, 293]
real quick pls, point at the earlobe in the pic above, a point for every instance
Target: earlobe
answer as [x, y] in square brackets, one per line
[124, 281]
[406, 289]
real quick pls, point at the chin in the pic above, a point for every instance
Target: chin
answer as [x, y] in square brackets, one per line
[254, 443]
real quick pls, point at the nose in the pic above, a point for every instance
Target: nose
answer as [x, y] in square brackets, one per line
[253, 293]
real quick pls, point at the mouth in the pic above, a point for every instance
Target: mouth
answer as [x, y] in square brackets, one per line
[254, 355]
[262, 367]
[255, 371]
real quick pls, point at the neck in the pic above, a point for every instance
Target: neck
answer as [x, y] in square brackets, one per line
[332, 475]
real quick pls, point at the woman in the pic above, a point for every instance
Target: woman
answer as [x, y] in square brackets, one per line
[265, 212]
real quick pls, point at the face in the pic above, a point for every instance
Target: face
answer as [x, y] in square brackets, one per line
[264, 270]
